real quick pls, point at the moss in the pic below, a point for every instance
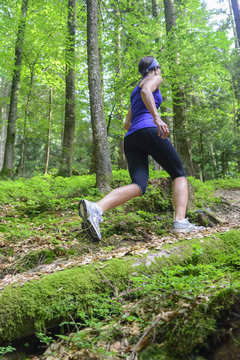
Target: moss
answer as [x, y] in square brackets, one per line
[155, 352]
[37, 303]
[48, 301]
[35, 258]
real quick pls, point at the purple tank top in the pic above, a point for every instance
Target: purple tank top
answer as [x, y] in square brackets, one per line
[141, 117]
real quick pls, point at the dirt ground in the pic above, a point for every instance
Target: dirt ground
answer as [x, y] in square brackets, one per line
[229, 209]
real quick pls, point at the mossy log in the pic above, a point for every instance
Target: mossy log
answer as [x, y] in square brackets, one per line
[39, 304]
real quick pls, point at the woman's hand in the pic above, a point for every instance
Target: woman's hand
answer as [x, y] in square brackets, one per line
[163, 130]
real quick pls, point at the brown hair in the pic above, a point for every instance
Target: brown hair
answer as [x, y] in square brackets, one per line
[144, 63]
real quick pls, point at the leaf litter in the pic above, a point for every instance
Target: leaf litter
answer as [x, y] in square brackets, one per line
[228, 213]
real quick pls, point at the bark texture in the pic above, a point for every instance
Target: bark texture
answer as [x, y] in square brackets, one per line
[8, 165]
[69, 124]
[181, 140]
[155, 8]
[236, 13]
[5, 90]
[23, 159]
[47, 149]
[100, 141]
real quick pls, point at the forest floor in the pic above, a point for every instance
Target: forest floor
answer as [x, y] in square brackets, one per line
[52, 241]
[11, 267]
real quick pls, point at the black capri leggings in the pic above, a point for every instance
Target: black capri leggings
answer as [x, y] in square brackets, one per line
[144, 142]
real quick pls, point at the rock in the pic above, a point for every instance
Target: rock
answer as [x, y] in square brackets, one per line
[207, 218]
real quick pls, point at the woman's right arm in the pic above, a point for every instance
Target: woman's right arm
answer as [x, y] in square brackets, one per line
[147, 96]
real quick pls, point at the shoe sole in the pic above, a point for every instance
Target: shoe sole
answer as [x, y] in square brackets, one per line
[90, 231]
[184, 231]
[86, 224]
[180, 231]
[82, 209]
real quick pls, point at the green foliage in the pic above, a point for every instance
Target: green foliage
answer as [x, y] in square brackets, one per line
[6, 350]
[207, 71]
[204, 195]
[35, 258]
[46, 193]
[47, 340]
[228, 183]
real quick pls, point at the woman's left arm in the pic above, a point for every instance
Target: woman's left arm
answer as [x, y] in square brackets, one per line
[128, 120]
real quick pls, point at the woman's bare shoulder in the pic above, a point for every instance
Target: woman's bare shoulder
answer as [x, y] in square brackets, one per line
[152, 81]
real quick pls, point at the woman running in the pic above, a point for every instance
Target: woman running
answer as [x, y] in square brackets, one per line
[147, 135]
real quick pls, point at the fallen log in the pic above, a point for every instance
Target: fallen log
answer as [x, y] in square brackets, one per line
[41, 304]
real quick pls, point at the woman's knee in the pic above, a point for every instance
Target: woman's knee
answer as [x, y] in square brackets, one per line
[141, 189]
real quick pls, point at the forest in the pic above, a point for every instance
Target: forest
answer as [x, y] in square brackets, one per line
[67, 70]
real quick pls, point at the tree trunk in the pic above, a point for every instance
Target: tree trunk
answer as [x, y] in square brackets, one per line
[155, 14]
[122, 161]
[234, 7]
[24, 140]
[236, 14]
[48, 131]
[69, 124]
[155, 9]
[181, 140]
[223, 163]
[8, 165]
[202, 155]
[3, 116]
[100, 140]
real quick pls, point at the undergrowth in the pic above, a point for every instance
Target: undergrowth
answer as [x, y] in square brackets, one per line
[198, 295]
[50, 194]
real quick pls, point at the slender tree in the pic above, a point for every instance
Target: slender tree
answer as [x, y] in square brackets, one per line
[155, 8]
[22, 168]
[235, 68]
[118, 101]
[47, 147]
[4, 93]
[69, 124]
[100, 140]
[8, 165]
[236, 13]
[181, 140]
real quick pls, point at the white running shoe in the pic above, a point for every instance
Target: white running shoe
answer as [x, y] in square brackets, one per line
[184, 226]
[91, 215]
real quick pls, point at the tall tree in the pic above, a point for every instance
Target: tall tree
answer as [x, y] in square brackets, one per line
[47, 147]
[236, 71]
[4, 93]
[69, 124]
[236, 14]
[8, 164]
[179, 108]
[100, 141]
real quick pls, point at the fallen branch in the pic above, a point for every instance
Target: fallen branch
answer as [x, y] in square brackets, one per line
[161, 316]
[109, 282]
